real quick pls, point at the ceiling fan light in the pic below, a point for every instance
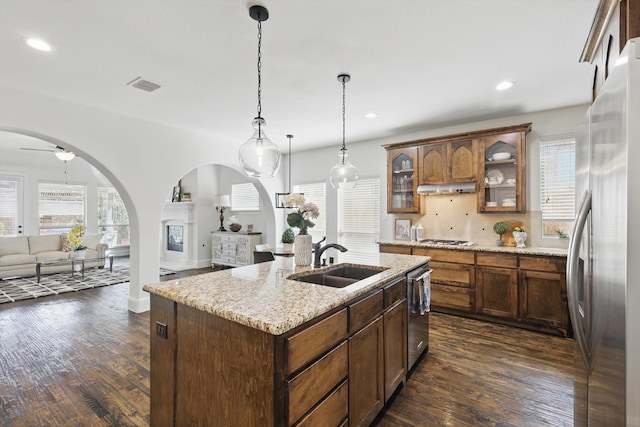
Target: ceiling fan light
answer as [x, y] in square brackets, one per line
[65, 155]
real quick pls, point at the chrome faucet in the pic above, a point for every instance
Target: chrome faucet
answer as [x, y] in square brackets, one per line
[317, 250]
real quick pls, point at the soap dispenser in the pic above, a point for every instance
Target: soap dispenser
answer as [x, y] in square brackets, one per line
[419, 232]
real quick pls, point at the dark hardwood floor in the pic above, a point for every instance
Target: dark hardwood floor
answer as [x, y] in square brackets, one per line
[82, 359]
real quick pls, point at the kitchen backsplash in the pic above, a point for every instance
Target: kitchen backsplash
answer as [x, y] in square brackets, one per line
[456, 218]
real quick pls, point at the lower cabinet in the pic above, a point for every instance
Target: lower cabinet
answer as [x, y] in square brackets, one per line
[497, 286]
[337, 370]
[366, 373]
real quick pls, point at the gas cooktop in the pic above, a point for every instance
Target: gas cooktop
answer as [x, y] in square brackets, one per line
[447, 242]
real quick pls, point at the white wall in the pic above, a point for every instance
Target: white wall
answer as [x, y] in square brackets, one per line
[141, 159]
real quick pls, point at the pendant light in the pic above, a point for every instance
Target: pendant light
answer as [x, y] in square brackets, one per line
[343, 174]
[281, 198]
[259, 157]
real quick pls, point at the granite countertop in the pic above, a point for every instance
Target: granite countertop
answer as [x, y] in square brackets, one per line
[557, 252]
[261, 296]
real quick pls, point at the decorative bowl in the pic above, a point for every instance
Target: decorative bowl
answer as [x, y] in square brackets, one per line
[235, 227]
[501, 156]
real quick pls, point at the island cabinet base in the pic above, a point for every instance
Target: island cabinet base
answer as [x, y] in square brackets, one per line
[335, 370]
[209, 370]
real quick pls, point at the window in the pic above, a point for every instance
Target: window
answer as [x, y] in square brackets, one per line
[10, 205]
[557, 184]
[315, 193]
[359, 216]
[61, 207]
[113, 219]
[244, 197]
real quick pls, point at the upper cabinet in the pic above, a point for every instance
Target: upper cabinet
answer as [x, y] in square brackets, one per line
[614, 23]
[448, 162]
[402, 182]
[501, 180]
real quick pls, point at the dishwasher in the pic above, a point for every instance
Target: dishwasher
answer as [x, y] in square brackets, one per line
[418, 298]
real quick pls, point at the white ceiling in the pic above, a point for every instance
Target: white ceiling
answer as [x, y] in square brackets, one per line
[419, 64]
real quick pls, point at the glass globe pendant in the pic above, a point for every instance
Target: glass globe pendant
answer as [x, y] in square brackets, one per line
[343, 174]
[259, 157]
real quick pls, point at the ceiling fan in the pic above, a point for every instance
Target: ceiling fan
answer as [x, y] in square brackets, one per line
[60, 152]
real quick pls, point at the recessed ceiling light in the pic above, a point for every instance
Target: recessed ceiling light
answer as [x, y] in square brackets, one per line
[504, 85]
[38, 44]
[371, 115]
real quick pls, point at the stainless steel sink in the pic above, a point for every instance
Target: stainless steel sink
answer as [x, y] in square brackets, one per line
[340, 276]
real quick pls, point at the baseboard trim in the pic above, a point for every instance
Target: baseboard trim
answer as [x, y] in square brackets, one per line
[140, 305]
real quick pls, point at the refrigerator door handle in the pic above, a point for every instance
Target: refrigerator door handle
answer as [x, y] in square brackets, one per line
[572, 278]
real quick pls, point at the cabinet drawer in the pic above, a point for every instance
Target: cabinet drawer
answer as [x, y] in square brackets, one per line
[447, 255]
[331, 411]
[229, 245]
[548, 264]
[364, 310]
[308, 387]
[228, 238]
[311, 342]
[395, 292]
[446, 273]
[452, 297]
[229, 252]
[497, 260]
[230, 259]
[393, 249]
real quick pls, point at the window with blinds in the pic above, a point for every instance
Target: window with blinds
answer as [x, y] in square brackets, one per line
[557, 184]
[316, 193]
[9, 205]
[244, 197]
[61, 207]
[359, 216]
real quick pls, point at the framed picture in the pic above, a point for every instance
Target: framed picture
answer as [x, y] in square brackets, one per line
[403, 229]
[176, 194]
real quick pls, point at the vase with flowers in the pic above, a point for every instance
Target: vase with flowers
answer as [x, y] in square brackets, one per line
[301, 218]
[76, 238]
[519, 235]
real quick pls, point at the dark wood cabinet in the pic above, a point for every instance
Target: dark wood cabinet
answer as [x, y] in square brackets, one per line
[497, 285]
[543, 289]
[402, 180]
[453, 278]
[366, 373]
[501, 177]
[395, 347]
[433, 167]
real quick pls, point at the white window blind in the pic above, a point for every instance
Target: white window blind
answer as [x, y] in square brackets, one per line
[557, 183]
[61, 207]
[359, 216]
[244, 197]
[315, 193]
[9, 199]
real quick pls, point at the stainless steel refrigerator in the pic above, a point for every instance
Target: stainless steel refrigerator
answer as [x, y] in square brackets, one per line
[603, 268]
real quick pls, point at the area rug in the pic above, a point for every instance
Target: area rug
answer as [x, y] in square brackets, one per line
[18, 289]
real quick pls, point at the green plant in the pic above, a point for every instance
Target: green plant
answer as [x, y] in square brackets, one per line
[288, 236]
[500, 228]
[562, 234]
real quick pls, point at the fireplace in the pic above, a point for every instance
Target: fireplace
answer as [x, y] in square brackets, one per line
[178, 248]
[175, 238]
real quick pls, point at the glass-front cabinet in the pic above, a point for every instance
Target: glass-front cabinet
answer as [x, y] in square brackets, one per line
[501, 186]
[402, 180]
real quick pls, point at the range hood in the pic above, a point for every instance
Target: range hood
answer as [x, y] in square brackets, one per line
[447, 189]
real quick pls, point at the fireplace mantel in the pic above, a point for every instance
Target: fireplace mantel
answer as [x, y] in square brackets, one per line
[178, 214]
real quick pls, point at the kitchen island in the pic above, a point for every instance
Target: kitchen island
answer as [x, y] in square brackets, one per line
[248, 346]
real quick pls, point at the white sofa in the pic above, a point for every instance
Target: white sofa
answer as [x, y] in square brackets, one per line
[19, 255]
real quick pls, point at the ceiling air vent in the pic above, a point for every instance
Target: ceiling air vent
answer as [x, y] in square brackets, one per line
[143, 84]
